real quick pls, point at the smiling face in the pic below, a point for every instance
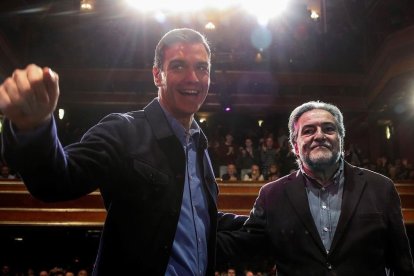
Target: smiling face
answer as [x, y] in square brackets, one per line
[318, 145]
[184, 80]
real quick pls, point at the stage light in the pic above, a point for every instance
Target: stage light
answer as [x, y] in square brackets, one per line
[314, 15]
[61, 113]
[388, 132]
[261, 9]
[87, 5]
[210, 26]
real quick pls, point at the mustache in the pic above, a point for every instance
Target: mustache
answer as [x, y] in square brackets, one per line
[324, 144]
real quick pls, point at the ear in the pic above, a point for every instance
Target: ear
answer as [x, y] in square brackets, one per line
[156, 73]
[295, 145]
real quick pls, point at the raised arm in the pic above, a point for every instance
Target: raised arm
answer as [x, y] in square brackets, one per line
[29, 97]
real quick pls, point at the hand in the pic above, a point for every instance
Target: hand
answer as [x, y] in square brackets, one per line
[29, 97]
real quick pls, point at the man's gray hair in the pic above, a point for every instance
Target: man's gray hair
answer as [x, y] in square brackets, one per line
[298, 111]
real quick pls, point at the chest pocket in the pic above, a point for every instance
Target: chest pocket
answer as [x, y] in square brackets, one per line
[149, 182]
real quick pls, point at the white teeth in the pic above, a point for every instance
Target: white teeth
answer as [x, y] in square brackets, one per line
[192, 92]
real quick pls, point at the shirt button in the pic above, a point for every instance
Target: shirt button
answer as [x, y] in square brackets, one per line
[329, 266]
[323, 189]
[324, 207]
[325, 229]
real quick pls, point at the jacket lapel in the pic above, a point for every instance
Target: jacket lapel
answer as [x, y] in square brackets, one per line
[167, 141]
[296, 193]
[172, 148]
[353, 188]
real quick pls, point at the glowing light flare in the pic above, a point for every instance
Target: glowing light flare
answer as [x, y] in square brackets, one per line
[314, 15]
[259, 57]
[388, 132]
[171, 6]
[261, 38]
[61, 113]
[261, 9]
[210, 26]
[87, 5]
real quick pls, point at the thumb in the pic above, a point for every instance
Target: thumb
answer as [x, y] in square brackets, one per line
[51, 81]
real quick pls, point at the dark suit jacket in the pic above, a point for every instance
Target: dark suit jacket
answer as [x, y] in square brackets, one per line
[138, 164]
[370, 235]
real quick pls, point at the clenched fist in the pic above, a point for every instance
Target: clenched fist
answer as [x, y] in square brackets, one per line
[29, 97]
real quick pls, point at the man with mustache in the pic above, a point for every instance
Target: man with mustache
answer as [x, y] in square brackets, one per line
[329, 217]
[151, 165]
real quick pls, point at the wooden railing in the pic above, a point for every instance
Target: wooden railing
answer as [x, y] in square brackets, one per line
[18, 207]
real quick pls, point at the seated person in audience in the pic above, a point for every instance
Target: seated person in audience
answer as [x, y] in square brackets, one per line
[227, 153]
[231, 271]
[5, 270]
[5, 173]
[273, 177]
[327, 218]
[274, 172]
[254, 175]
[82, 272]
[43, 273]
[246, 157]
[248, 273]
[231, 174]
[56, 271]
[268, 155]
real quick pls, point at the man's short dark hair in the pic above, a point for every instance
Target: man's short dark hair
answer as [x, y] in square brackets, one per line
[185, 35]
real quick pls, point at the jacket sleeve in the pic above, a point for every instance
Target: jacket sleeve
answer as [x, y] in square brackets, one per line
[247, 242]
[399, 252]
[54, 173]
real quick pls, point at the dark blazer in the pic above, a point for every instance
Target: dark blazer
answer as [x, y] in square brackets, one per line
[138, 164]
[370, 235]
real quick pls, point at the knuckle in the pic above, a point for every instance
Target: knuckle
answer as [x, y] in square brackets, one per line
[9, 82]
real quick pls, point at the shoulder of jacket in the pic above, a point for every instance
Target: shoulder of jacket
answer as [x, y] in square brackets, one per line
[371, 176]
[127, 117]
[281, 182]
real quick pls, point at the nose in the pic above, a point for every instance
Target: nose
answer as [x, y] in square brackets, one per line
[319, 134]
[191, 75]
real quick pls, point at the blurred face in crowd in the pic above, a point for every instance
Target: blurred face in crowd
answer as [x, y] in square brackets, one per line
[269, 142]
[248, 143]
[255, 170]
[231, 272]
[184, 80]
[318, 143]
[82, 272]
[5, 171]
[231, 169]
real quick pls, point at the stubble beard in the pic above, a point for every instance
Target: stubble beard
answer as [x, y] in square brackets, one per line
[321, 161]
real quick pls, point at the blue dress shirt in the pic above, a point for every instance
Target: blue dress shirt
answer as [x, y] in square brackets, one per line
[189, 251]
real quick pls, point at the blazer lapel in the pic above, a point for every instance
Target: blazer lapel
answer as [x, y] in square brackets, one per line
[353, 188]
[296, 193]
[167, 141]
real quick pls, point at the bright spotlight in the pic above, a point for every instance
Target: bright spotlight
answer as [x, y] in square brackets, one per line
[61, 113]
[260, 9]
